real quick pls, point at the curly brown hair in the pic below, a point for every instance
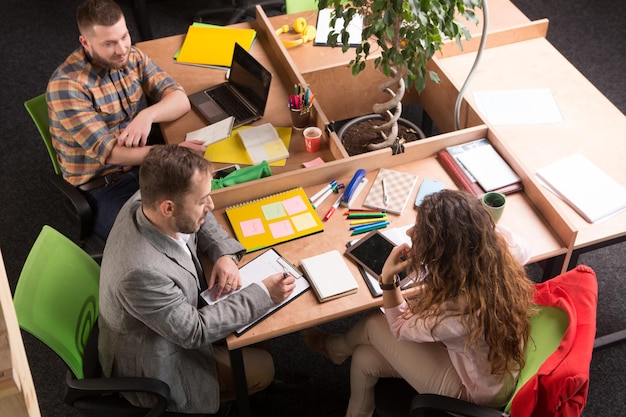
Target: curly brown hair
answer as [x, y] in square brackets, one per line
[467, 262]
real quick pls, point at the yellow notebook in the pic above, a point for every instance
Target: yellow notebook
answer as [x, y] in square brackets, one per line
[213, 45]
[274, 219]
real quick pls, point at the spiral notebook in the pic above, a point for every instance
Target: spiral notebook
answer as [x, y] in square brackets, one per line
[274, 219]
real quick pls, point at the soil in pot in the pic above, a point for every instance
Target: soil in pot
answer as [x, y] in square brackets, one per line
[356, 138]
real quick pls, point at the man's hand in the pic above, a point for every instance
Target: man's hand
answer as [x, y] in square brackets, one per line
[137, 131]
[280, 286]
[224, 276]
[194, 145]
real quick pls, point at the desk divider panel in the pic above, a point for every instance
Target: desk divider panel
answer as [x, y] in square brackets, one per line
[295, 77]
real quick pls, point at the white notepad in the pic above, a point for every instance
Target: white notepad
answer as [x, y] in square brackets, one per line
[585, 187]
[329, 275]
[263, 144]
[213, 133]
[488, 167]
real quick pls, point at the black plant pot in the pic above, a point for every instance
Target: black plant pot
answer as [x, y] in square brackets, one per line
[418, 133]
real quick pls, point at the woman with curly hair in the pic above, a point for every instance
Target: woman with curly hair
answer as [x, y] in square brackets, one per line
[463, 335]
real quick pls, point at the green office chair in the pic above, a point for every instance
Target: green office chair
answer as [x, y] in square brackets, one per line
[568, 334]
[546, 333]
[295, 6]
[76, 204]
[56, 300]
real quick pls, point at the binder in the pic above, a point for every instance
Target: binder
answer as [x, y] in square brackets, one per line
[449, 158]
[213, 46]
[277, 218]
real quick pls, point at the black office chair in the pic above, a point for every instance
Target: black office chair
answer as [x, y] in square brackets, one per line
[239, 11]
[76, 204]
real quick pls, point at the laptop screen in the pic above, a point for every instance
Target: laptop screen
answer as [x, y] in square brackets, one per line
[250, 78]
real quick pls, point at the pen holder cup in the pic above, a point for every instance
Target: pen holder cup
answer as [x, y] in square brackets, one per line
[300, 120]
[494, 203]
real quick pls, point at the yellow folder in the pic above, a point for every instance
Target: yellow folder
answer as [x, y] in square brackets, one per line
[213, 45]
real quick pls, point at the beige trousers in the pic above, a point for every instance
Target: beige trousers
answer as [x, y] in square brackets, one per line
[258, 364]
[376, 353]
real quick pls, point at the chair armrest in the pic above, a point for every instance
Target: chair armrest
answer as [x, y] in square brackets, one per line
[78, 389]
[79, 203]
[425, 402]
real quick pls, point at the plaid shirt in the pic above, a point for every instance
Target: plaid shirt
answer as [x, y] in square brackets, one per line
[89, 106]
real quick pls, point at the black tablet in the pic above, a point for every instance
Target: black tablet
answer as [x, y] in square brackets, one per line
[371, 252]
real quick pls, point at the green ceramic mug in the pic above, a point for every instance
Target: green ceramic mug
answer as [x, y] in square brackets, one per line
[494, 203]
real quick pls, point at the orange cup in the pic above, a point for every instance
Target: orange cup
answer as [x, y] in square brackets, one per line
[312, 139]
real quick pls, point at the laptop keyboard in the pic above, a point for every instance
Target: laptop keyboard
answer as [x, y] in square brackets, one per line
[230, 104]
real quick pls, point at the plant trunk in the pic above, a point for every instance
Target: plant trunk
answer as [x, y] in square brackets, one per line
[389, 129]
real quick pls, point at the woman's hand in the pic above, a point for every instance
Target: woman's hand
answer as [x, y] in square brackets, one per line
[397, 261]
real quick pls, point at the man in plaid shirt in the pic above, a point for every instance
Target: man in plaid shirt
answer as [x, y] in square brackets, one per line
[99, 113]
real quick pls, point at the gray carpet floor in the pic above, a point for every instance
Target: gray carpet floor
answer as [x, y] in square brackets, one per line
[37, 35]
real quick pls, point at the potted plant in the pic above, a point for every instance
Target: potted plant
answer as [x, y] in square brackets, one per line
[408, 33]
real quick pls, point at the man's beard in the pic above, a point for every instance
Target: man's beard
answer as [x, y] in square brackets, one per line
[113, 64]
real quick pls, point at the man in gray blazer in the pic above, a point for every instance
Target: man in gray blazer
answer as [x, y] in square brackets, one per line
[151, 323]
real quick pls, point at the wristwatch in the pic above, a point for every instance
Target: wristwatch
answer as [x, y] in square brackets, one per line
[391, 286]
[232, 256]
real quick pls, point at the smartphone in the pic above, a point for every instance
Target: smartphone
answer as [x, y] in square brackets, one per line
[222, 172]
[429, 186]
[371, 252]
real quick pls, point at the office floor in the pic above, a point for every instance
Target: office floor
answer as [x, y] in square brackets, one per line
[38, 35]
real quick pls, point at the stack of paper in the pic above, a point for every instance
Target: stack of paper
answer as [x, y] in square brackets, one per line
[585, 187]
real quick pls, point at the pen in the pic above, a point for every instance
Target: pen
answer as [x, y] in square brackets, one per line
[368, 225]
[380, 225]
[333, 208]
[370, 220]
[385, 196]
[322, 191]
[328, 192]
[366, 215]
[349, 211]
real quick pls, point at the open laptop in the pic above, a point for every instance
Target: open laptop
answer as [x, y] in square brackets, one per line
[243, 96]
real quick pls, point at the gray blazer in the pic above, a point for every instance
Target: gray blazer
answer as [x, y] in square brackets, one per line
[149, 321]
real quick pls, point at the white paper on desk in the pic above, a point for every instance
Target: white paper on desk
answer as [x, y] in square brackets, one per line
[488, 167]
[255, 271]
[213, 133]
[585, 187]
[518, 107]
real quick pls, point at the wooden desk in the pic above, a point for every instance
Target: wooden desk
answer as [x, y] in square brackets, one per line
[195, 78]
[325, 69]
[550, 238]
[591, 125]
[552, 234]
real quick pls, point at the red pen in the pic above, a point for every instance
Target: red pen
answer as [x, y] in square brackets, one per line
[333, 208]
